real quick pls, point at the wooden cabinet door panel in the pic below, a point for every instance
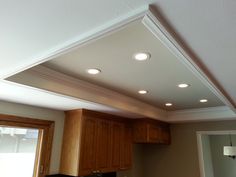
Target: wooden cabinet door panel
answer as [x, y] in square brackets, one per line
[151, 131]
[127, 148]
[165, 134]
[154, 134]
[116, 145]
[103, 154]
[87, 153]
[140, 132]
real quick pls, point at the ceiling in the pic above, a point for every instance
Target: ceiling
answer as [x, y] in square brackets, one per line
[32, 34]
[17, 93]
[159, 75]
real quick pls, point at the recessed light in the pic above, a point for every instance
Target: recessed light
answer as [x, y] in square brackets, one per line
[93, 71]
[168, 104]
[183, 85]
[142, 92]
[203, 100]
[141, 56]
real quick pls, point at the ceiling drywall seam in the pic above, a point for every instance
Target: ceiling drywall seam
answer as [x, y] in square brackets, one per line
[81, 40]
[48, 79]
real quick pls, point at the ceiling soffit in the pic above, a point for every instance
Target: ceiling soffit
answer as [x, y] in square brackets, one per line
[154, 25]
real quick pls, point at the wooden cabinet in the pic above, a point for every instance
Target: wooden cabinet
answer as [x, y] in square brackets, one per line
[103, 150]
[151, 131]
[116, 145]
[88, 143]
[98, 143]
[127, 148]
[122, 146]
[95, 143]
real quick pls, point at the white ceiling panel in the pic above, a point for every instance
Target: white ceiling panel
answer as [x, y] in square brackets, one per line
[160, 75]
[33, 31]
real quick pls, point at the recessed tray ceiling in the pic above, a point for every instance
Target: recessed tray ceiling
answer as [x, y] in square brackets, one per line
[160, 75]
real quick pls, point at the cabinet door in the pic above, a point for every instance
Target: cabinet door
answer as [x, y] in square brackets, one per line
[140, 132]
[154, 133]
[127, 148]
[165, 135]
[103, 154]
[87, 153]
[116, 145]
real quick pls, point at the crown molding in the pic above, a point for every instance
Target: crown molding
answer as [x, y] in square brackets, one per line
[159, 31]
[83, 39]
[47, 79]
[202, 114]
[74, 103]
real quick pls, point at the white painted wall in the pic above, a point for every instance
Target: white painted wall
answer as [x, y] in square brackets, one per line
[45, 114]
[223, 166]
[206, 150]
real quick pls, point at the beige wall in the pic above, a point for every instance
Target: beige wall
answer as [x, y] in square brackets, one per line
[223, 165]
[137, 169]
[40, 113]
[206, 150]
[180, 159]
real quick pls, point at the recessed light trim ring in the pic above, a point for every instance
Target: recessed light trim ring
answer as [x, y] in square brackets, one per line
[168, 104]
[142, 56]
[93, 71]
[183, 85]
[142, 92]
[203, 100]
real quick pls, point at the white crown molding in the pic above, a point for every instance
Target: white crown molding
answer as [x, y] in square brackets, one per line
[73, 102]
[47, 79]
[50, 80]
[90, 36]
[159, 31]
[202, 114]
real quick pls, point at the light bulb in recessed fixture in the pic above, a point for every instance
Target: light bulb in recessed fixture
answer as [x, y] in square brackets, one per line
[141, 56]
[168, 104]
[203, 100]
[142, 92]
[93, 71]
[183, 85]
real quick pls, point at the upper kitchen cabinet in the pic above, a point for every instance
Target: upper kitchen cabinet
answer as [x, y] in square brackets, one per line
[151, 131]
[95, 143]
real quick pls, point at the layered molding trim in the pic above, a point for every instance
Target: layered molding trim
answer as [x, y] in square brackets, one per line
[74, 102]
[53, 81]
[159, 31]
[203, 114]
[83, 39]
[47, 79]
[50, 80]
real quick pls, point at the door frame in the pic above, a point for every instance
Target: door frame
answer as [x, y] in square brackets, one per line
[200, 149]
[44, 147]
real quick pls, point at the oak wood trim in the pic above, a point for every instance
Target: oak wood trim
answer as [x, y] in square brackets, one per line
[71, 143]
[46, 129]
[38, 150]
